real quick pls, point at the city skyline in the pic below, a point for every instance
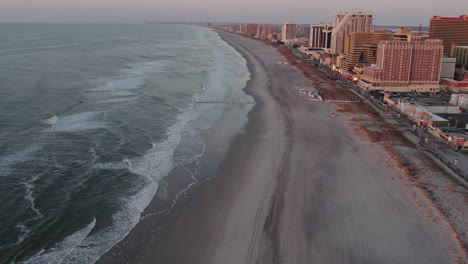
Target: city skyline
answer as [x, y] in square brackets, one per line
[401, 12]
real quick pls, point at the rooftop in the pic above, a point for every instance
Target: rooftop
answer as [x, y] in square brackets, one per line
[417, 110]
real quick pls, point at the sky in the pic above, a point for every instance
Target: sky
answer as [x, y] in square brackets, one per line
[394, 12]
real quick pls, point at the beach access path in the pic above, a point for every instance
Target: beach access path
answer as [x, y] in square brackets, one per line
[298, 187]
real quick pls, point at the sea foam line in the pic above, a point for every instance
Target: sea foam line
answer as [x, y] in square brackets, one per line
[57, 253]
[155, 164]
[83, 247]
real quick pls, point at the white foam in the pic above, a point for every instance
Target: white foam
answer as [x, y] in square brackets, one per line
[107, 86]
[123, 93]
[157, 161]
[116, 100]
[51, 121]
[155, 164]
[148, 67]
[23, 226]
[93, 246]
[41, 47]
[29, 185]
[21, 156]
[60, 251]
[77, 122]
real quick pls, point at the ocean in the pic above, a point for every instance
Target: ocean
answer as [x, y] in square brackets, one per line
[92, 118]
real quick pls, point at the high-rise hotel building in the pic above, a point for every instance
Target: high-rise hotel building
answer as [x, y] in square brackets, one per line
[345, 23]
[249, 29]
[405, 66]
[265, 30]
[452, 30]
[288, 31]
[320, 36]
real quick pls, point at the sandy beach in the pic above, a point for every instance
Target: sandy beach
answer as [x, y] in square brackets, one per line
[296, 186]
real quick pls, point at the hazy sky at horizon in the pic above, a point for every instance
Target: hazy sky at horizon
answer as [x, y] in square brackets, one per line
[399, 12]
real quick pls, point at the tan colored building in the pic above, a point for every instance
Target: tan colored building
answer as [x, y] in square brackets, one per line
[405, 66]
[461, 55]
[452, 30]
[288, 31]
[402, 34]
[361, 47]
[345, 24]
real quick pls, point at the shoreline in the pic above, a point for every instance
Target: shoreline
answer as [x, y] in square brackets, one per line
[161, 215]
[272, 201]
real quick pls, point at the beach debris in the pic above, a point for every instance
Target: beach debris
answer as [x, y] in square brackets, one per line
[333, 114]
[279, 63]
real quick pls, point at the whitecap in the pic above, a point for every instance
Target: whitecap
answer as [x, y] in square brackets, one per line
[93, 246]
[116, 100]
[77, 122]
[60, 251]
[8, 161]
[51, 121]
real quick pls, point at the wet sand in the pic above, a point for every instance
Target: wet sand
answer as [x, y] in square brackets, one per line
[298, 186]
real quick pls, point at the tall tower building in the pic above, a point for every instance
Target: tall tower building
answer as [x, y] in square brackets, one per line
[288, 31]
[405, 66]
[345, 23]
[452, 30]
[320, 36]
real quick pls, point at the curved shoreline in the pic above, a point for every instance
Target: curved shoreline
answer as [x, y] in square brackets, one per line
[280, 198]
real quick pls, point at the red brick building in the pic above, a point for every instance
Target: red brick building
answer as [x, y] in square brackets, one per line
[249, 29]
[265, 30]
[405, 67]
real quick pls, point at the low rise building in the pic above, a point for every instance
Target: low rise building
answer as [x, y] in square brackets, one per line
[460, 100]
[421, 115]
[455, 86]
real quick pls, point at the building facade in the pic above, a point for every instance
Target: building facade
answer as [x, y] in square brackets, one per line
[288, 31]
[248, 29]
[320, 36]
[361, 47]
[452, 30]
[461, 55]
[264, 31]
[405, 66]
[402, 34]
[345, 24]
[447, 69]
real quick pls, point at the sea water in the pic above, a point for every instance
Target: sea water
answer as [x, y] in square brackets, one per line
[92, 117]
